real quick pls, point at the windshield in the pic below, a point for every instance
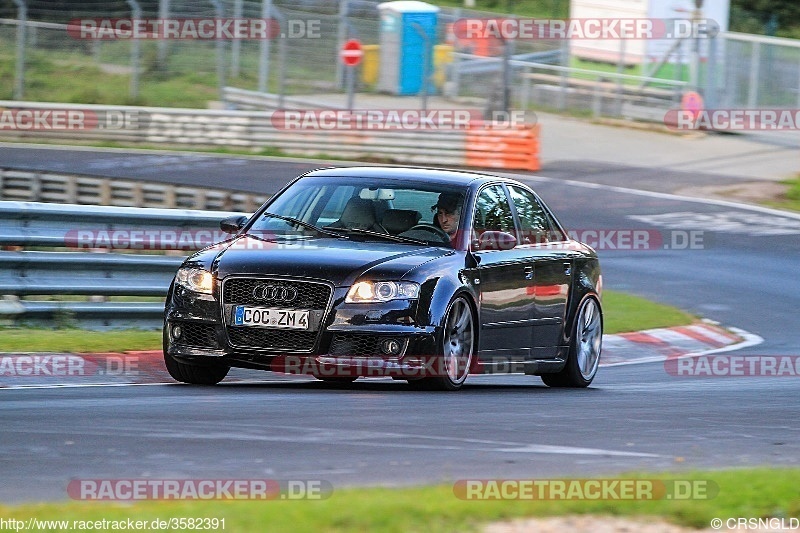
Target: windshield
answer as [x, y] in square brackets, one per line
[365, 210]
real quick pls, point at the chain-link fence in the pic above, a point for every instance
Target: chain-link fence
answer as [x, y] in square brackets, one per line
[37, 48]
[301, 55]
[757, 72]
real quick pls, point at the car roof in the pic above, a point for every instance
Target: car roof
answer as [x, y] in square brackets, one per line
[429, 175]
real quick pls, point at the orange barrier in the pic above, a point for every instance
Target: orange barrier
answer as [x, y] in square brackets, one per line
[515, 148]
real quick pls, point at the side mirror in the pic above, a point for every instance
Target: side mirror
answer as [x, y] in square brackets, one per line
[496, 240]
[233, 224]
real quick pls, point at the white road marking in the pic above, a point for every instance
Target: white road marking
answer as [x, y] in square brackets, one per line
[726, 222]
[367, 438]
[662, 195]
[569, 450]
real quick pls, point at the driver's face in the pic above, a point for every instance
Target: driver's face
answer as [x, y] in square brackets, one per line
[448, 221]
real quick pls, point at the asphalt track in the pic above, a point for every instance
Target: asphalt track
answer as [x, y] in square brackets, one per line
[379, 433]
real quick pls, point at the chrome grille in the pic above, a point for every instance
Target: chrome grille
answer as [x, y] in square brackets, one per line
[311, 295]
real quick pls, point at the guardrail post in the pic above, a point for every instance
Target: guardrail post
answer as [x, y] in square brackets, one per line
[710, 95]
[620, 71]
[798, 84]
[263, 59]
[506, 75]
[136, 13]
[562, 93]
[220, 45]
[236, 45]
[36, 187]
[163, 14]
[455, 76]
[426, 63]
[19, 73]
[597, 102]
[282, 61]
[341, 37]
[10, 308]
[525, 93]
[755, 67]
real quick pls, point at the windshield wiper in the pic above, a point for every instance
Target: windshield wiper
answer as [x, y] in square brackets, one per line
[386, 236]
[312, 227]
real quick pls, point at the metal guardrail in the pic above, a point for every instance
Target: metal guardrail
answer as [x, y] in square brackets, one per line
[467, 64]
[257, 101]
[110, 252]
[255, 130]
[37, 186]
[605, 93]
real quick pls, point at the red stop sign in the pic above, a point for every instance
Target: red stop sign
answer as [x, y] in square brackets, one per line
[351, 53]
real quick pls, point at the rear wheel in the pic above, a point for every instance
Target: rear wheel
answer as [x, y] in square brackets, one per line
[456, 349]
[585, 348]
[194, 374]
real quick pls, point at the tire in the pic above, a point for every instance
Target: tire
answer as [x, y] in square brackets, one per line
[456, 348]
[584, 349]
[194, 374]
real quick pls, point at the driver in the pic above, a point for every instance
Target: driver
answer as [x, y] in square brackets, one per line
[448, 213]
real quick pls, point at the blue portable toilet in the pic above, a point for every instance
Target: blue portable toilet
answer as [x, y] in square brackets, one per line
[407, 36]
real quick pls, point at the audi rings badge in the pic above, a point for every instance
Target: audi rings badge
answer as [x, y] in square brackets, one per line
[275, 293]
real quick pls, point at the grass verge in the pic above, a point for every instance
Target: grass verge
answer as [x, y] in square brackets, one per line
[622, 312]
[625, 312]
[763, 492]
[77, 340]
[791, 199]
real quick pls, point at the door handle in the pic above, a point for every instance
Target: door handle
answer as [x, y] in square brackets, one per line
[528, 272]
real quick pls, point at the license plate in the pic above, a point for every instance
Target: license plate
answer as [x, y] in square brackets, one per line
[268, 317]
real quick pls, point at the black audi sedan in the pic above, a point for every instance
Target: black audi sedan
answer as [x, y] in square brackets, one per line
[416, 274]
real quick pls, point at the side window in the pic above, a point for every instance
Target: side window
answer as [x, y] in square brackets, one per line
[537, 224]
[556, 235]
[532, 216]
[493, 213]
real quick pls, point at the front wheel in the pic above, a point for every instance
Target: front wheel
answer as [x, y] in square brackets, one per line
[456, 348]
[584, 351]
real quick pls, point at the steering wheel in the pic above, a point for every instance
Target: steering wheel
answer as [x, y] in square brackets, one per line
[439, 232]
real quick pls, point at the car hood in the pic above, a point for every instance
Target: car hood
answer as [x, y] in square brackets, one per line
[339, 261]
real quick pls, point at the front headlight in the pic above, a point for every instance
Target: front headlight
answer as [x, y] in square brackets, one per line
[381, 291]
[195, 279]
